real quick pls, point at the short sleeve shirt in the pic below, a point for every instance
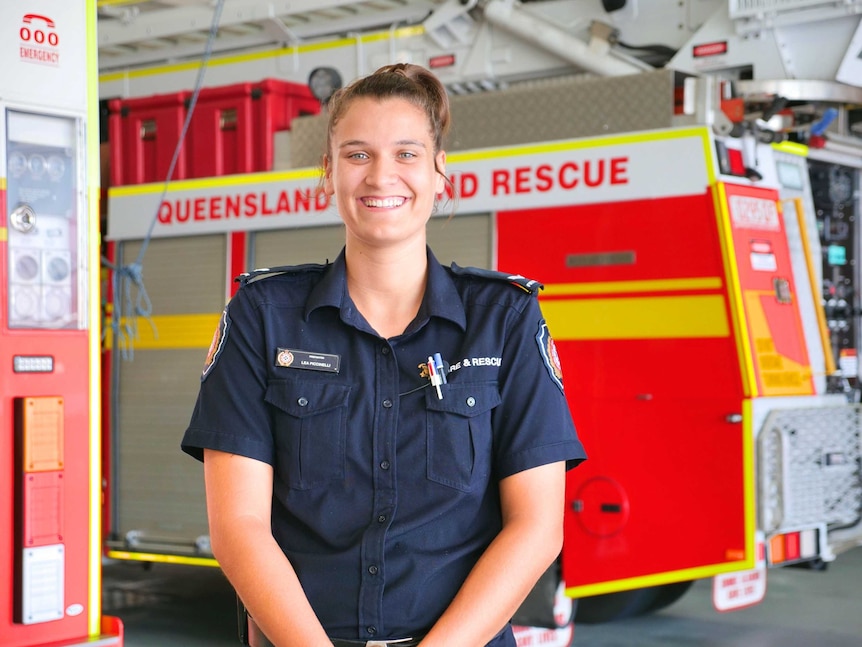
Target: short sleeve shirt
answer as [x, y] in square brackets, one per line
[385, 492]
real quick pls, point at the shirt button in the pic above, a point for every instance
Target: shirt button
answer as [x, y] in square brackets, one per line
[471, 401]
[384, 465]
[371, 630]
[302, 402]
[387, 403]
[381, 518]
[373, 570]
[385, 350]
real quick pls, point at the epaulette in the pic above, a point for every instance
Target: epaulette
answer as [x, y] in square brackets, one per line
[528, 285]
[256, 275]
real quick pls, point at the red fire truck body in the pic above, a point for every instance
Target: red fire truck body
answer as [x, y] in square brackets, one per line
[675, 297]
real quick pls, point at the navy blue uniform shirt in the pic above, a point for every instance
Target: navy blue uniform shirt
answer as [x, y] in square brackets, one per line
[385, 495]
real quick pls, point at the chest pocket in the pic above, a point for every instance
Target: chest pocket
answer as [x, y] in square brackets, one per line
[459, 435]
[310, 426]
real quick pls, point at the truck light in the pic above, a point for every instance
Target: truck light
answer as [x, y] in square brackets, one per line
[39, 534]
[33, 364]
[794, 546]
[808, 544]
[776, 549]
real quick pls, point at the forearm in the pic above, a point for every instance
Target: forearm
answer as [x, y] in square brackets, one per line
[496, 586]
[268, 586]
[239, 504]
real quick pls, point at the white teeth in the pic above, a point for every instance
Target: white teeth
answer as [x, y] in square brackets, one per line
[384, 203]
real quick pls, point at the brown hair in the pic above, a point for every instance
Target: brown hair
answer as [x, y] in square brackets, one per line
[413, 83]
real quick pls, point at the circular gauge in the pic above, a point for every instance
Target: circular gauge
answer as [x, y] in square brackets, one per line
[56, 167]
[58, 268]
[17, 164]
[37, 165]
[26, 267]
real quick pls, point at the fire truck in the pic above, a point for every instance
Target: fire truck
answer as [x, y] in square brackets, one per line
[683, 178]
[50, 346]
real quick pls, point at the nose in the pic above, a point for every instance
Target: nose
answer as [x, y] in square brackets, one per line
[381, 172]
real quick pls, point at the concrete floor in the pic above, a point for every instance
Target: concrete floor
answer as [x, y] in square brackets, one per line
[183, 606]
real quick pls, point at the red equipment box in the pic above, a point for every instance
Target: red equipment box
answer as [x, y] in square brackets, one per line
[144, 133]
[233, 127]
[232, 130]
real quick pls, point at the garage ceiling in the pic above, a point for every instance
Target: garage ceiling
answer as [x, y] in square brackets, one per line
[144, 32]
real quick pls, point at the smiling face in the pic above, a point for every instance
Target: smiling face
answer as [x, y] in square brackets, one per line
[381, 170]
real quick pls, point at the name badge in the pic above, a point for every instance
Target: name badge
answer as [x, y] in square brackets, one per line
[292, 358]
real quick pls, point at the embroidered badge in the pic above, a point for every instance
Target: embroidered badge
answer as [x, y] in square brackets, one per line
[217, 344]
[292, 358]
[548, 351]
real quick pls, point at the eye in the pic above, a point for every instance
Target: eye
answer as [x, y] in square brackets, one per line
[407, 155]
[357, 155]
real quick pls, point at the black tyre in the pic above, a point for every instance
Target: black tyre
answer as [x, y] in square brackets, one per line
[627, 604]
[669, 594]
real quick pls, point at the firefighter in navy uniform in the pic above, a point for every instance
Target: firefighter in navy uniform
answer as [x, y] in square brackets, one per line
[384, 438]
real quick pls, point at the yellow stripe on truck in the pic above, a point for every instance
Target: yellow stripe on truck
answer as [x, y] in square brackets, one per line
[669, 577]
[649, 285]
[161, 558]
[658, 317]
[169, 332]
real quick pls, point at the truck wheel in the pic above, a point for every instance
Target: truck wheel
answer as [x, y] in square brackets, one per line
[626, 604]
[669, 594]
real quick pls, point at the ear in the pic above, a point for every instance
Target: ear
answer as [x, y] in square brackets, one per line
[328, 187]
[440, 166]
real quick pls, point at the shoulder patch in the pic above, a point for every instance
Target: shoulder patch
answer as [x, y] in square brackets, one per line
[256, 275]
[528, 285]
[548, 351]
[218, 342]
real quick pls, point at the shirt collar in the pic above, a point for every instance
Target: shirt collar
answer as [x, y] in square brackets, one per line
[441, 296]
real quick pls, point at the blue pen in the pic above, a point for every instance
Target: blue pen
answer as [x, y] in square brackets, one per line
[438, 365]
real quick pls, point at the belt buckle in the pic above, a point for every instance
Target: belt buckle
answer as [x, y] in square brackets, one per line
[386, 643]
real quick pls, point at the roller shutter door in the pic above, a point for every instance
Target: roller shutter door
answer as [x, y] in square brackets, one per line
[158, 502]
[467, 240]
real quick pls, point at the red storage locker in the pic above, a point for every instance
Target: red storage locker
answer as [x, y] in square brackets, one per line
[220, 134]
[233, 127]
[282, 102]
[144, 133]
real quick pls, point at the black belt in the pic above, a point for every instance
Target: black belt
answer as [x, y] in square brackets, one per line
[402, 642]
[256, 638]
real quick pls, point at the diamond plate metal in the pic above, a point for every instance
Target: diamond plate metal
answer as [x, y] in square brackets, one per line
[535, 111]
[564, 108]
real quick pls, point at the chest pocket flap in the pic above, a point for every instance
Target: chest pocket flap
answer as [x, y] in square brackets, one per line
[301, 398]
[459, 434]
[467, 399]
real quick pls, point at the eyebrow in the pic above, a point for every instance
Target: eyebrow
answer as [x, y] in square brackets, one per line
[401, 142]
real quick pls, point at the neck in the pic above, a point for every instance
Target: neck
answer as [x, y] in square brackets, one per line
[387, 287]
